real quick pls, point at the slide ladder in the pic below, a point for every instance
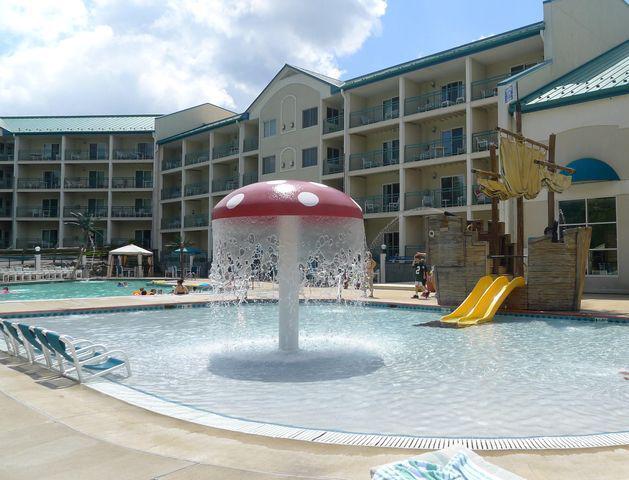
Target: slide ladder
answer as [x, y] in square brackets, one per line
[484, 300]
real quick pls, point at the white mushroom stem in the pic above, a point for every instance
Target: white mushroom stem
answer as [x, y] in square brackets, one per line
[289, 283]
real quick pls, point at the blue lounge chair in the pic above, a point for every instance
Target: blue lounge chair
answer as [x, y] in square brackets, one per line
[36, 351]
[16, 342]
[7, 338]
[81, 361]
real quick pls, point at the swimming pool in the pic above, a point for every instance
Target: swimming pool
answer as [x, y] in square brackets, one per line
[372, 370]
[75, 289]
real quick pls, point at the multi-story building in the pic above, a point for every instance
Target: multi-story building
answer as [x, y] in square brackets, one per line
[97, 165]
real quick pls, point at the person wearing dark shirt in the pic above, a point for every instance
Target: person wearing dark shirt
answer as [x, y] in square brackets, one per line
[421, 272]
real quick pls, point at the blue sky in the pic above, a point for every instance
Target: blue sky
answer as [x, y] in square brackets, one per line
[415, 28]
[137, 56]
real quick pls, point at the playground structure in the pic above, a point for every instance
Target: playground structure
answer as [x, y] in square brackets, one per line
[477, 265]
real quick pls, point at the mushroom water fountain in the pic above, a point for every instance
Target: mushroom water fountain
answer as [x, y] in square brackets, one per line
[292, 234]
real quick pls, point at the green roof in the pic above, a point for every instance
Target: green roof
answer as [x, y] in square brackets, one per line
[79, 124]
[446, 55]
[604, 76]
[205, 128]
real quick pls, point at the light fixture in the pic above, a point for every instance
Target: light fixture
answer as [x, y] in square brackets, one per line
[432, 84]
[434, 175]
[383, 247]
[434, 129]
[37, 249]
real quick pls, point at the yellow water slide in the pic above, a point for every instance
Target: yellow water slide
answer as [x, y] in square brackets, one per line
[470, 301]
[490, 301]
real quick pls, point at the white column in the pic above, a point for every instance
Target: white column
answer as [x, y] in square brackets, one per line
[158, 184]
[468, 136]
[62, 177]
[209, 206]
[182, 203]
[110, 195]
[16, 175]
[289, 283]
[402, 177]
[346, 139]
[241, 158]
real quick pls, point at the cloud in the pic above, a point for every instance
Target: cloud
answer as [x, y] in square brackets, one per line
[130, 56]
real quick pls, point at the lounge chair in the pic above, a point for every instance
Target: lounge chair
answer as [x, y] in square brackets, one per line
[74, 360]
[7, 339]
[36, 351]
[16, 342]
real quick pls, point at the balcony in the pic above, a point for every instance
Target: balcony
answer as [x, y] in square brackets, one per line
[436, 149]
[99, 241]
[434, 100]
[333, 124]
[6, 212]
[196, 189]
[191, 221]
[374, 158]
[224, 184]
[35, 242]
[171, 223]
[132, 155]
[125, 211]
[37, 212]
[6, 183]
[379, 203]
[487, 88]
[86, 155]
[334, 165]
[96, 212]
[225, 150]
[193, 158]
[481, 141]
[7, 156]
[85, 182]
[440, 198]
[171, 164]
[131, 182]
[371, 115]
[38, 156]
[172, 192]
[250, 144]
[249, 177]
[38, 184]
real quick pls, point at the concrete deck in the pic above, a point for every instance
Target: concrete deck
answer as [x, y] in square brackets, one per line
[53, 428]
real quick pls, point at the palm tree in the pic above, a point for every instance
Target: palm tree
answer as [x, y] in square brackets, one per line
[87, 226]
[179, 243]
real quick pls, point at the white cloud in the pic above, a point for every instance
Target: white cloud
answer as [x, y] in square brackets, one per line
[127, 56]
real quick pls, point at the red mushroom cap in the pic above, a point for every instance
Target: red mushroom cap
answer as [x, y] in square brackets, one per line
[286, 197]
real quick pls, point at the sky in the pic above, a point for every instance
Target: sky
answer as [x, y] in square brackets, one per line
[86, 57]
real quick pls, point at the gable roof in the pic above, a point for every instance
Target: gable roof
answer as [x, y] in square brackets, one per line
[446, 55]
[604, 76]
[40, 125]
[205, 128]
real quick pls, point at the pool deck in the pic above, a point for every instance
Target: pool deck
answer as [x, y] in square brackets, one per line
[55, 429]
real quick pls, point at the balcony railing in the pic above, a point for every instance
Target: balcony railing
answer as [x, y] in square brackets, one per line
[132, 155]
[172, 192]
[86, 155]
[374, 158]
[193, 158]
[434, 100]
[124, 211]
[38, 155]
[223, 184]
[371, 115]
[131, 182]
[250, 144]
[249, 177]
[201, 220]
[334, 165]
[171, 163]
[7, 182]
[481, 141]
[436, 149]
[99, 241]
[38, 183]
[6, 212]
[85, 182]
[196, 188]
[225, 150]
[171, 223]
[487, 88]
[35, 242]
[333, 124]
[379, 203]
[438, 198]
[37, 212]
[6, 157]
[98, 212]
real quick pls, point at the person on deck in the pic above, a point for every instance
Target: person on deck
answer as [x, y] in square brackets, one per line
[421, 273]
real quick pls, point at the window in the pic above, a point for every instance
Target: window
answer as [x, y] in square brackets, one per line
[50, 207]
[309, 117]
[49, 238]
[98, 151]
[453, 141]
[309, 157]
[96, 206]
[51, 151]
[392, 241]
[6, 151]
[145, 150]
[143, 238]
[51, 179]
[270, 128]
[96, 179]
[600, 214]
[391, 197]
[390, 152]
[452, 92]
[520, 68]
[268, 164]
[143, 179]
[453, 191]
[143, 205]
[391, 108]
[331, 113]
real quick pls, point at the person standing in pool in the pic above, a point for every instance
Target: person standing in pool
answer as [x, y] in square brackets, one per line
[421, 272]
[370, 266]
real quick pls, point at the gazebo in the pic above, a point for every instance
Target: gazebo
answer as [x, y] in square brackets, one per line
[130, 251]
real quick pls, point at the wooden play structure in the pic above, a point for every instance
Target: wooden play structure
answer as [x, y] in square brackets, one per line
[481, 269]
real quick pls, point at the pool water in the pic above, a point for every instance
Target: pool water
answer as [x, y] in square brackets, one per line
[74, 289]
[372, 370]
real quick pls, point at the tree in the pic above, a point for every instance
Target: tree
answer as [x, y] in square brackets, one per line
[87, 226]
[179, 243]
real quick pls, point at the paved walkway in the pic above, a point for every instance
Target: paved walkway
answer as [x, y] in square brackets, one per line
[55, 429]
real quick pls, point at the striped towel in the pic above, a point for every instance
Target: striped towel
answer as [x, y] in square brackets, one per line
[463, 465]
